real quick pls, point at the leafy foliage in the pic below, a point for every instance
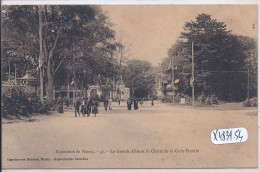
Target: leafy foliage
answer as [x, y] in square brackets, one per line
[78, 43]
[253, 102]
[139, 76]
[19, 101]
[221, 60]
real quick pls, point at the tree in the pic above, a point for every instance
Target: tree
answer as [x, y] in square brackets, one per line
[71, 36]
[19, 46]
[139, 76]
[220, 58]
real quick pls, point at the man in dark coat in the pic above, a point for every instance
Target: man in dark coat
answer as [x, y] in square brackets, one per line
[88, 106]
[83, 106]
[76, 106]
[95, 106]
[106, 103]
[67, 102]
[60, 105]
[135, 103]
[129, 103]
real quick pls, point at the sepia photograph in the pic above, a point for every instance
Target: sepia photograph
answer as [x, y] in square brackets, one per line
[129, 86]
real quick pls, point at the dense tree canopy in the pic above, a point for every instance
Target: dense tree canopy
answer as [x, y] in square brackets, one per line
[221, 60]
[78, 44]
[139, 76]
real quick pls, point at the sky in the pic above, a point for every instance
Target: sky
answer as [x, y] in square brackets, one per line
[148, 31]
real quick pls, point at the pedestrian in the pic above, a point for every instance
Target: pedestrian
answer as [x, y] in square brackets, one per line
[83, 106]
[135, 103]
[88, 103]
[129, 103]
[67, 102]
[141, 102]
[106, 103]
[45, 99]
[95, 106]
[60, 105]
[76, 106]
[152, 101]
[118, 102]
[110, 103]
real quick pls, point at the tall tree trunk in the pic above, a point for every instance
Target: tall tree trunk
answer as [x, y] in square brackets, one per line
[41, 53]
[68, 89]
[50, 85]
[49, 89]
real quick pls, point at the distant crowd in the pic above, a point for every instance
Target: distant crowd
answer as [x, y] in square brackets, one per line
[85, 106]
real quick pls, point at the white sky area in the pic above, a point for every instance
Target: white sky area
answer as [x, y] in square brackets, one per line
[150, 30]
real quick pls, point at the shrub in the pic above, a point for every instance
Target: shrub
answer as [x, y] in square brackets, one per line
[188, 99]
[207, 100]
[14, 101]
[201, 99]
[18, 100]
[253, 102]
[214, 99]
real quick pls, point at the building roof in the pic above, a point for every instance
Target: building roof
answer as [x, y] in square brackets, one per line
[176, 81]
[168, 88]
[28, 76]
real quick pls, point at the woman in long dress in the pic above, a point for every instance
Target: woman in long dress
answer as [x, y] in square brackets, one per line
[95, 107]
[106, 103]
[129, 103]
[135, 104]
[60, 105]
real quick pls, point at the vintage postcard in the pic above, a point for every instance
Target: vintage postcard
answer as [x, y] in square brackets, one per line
[129, 86]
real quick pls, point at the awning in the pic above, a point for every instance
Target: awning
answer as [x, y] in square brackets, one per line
[168, 88]
[28, 76]
[176, 81]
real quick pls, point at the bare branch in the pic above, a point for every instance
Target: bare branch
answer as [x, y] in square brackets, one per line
[60, 63]
[55, 43]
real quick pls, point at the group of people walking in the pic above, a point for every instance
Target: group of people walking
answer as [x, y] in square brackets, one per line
[86, 106]
[134, 101]
[108, 104]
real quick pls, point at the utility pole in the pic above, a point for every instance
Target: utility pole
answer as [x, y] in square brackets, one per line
[248, 84]
[120, 75]
[15, 73]
[74, 80]
[41, 52]
[192, 65]
[161, 83]
[172, 66]
[192, 77]
[9, 74]
[73, 90]
[121, 56]
[68, 87]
